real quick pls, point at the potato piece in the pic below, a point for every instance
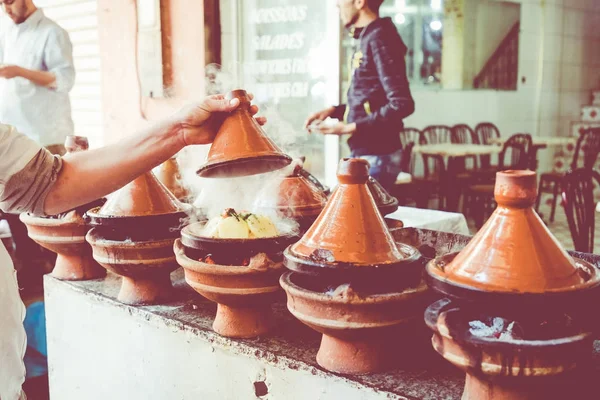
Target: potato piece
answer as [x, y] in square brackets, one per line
[261, 226]
[233, 228]
[211, 229]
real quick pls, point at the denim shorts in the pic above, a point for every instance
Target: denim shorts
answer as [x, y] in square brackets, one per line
[385, 168]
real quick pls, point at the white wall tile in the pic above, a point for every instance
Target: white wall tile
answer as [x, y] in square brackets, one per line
[549, 105]
[573, 22]
[529, 46]
[572, 50]
[553, 49]
[553, 18]
[572, 77]
[551, 76]
[531, 18]
[530, 71]
[571, 103]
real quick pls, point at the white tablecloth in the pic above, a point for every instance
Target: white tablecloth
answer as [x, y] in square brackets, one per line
[431, 219]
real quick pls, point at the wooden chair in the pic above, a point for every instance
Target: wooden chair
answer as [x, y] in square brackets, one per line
[485, 132]
[479, 198]
[410, 135]
[580, 206]
[418, 189]
[434, 168]
[588, 145]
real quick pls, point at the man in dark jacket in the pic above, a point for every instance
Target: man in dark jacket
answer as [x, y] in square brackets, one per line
[379, 96]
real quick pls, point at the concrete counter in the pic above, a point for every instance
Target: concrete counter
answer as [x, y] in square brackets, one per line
[102, 349]
[99, 348]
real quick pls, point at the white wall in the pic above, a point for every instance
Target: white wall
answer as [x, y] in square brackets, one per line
[559, 60]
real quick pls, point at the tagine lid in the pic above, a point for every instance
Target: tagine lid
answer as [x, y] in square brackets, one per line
[168, 174]
[296, 194]
[144, 196]
[350, 231]
[241, 147]
[514, 252]
[386, 203]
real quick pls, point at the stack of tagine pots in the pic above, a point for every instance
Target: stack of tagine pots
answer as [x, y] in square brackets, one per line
[240, 275]
[299, 196]
[133, 237]
[64, 234]
[351, 282]
[518, 320]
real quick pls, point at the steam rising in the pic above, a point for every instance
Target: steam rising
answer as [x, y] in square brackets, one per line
[256, 194]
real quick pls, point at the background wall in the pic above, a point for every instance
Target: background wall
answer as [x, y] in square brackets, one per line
[183, 56]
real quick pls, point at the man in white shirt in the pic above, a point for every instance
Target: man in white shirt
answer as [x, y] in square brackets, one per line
[31, 179]
[36, 73]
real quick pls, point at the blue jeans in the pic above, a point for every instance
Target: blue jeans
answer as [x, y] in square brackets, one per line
[385, 168]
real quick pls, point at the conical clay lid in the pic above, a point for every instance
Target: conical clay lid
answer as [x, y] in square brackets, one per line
[144, 196]
[296, 196]
[350, 229]
[386, 203]
[241, 147]
[513, 252]
[169, 175]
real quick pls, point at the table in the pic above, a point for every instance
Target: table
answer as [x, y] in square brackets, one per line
[448, 150]
[541, 142]
[545, 141]
[435, 220]
[454, 151]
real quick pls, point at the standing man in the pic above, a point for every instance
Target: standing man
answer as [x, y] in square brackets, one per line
[36, 75]
[379, 95]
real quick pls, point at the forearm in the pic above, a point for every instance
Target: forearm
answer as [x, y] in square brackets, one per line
[87, 176]
[40, 78]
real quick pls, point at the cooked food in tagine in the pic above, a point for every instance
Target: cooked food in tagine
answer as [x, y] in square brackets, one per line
[243, 225]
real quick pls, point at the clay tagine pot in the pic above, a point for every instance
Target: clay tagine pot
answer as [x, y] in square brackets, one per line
[509, 368]
[350, 236]
[241, 147]
[352, 282]
[298, 197]
[514, 262]
[169, 175]
[134, 235]
[359, 329]
[244, 293]
[66, 237]
[64, 234]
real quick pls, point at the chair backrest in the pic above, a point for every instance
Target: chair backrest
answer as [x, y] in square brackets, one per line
[486, 131]
[580, 207]
[410, 135]
[515, 152]
[462, 133]
[587, 149]
[435, 134]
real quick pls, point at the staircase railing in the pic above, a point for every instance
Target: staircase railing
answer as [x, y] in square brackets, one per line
[502, 68]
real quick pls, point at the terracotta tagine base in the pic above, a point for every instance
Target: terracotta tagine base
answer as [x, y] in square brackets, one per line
[358, 331]
[511, 370]
[145, 267]
[66, 238]
[243, 294]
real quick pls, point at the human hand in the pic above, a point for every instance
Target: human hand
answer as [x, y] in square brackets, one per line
[319, 116]
[337, 129]
[10, 71]
[199, 123]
